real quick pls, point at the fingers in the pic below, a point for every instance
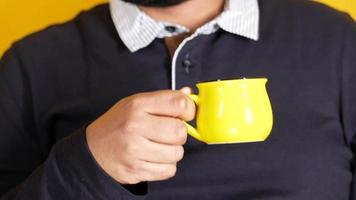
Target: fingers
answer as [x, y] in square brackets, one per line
[160, 153]
[165, 130]
[168, 103]
[156, 172]
[149, 161]
[140, 138]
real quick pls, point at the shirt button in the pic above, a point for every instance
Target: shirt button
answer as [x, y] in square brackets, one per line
[171, 29]
[187, 64]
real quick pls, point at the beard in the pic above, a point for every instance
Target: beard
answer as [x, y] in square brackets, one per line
[155, 3]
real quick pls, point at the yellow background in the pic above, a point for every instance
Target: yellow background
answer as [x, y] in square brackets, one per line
[21, 17]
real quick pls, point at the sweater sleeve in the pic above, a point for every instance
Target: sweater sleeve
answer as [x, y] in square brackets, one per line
[349, 92]
[68, 172]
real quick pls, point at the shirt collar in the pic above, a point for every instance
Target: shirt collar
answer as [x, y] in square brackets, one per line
[137, 30]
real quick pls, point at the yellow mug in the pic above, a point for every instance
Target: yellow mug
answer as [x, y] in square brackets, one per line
[232, 111]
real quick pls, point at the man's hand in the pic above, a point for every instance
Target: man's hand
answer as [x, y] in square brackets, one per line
[140, 138]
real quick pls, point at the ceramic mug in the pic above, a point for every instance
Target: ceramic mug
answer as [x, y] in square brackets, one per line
[232, 111]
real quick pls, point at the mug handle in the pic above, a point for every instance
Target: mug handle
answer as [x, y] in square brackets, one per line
[190, 129]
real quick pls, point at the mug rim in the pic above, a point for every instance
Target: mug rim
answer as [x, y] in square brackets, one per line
[230, 80]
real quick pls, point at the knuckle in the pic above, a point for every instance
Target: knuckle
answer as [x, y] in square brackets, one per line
[170, 171]
[180, 103]
[132, 149]
[181, 132]
[133, 168]
[167, 172]
[136, 102]
[179, 153]
[129, 126]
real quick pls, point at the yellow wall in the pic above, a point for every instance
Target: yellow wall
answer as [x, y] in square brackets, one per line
[21, 17]
[343, 5]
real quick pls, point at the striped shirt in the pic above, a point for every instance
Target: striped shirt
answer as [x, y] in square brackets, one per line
[137, 29]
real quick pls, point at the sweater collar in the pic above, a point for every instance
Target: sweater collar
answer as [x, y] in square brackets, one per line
[137, 30]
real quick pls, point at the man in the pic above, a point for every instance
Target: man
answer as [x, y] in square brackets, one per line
[86, 111]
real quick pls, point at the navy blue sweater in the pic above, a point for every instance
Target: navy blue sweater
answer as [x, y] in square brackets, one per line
[56, 81]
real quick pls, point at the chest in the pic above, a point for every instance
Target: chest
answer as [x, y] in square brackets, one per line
[305, 157]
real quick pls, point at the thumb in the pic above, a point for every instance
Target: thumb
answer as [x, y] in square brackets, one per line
[186, 90]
